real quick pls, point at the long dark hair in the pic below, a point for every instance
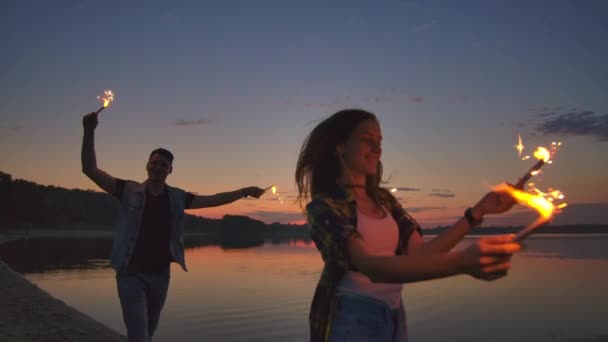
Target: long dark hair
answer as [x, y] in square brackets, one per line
[318, 165]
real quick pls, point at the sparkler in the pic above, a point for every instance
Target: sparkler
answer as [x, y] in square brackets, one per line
[543, 203]
[273, 189]
[544, 157]
[107, 98]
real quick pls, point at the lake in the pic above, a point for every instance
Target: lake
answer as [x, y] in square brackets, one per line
[557, 290]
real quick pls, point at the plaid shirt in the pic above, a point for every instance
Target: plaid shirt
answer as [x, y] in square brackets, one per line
[333, 220]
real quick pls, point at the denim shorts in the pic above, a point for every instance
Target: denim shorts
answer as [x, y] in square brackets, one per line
[361, 318]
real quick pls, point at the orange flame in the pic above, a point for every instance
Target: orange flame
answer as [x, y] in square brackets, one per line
[107, 98]
[542, 153]
[538, 202]
[275, 192]
[544, 203]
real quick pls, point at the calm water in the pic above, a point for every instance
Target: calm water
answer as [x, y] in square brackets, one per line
[556, 291]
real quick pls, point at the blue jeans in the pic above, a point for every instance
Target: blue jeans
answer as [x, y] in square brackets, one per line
[142, 297]
[361, 318]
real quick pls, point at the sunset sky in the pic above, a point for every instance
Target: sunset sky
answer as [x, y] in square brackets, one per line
[232, 89]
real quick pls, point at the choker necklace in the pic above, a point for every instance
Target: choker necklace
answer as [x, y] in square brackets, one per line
[354, 186]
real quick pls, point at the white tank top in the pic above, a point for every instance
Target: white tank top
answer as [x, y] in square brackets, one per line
[381, 237]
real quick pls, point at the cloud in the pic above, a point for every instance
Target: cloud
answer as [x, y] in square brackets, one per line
[442, 195]
[184, 123]
[404, 188]
[424, 26]
[416, 99]
[375, 99]
[583, 123]
[441, 190]
[11, 128]
[420, 209]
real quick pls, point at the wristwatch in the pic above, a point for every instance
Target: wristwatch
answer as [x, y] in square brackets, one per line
[468, 214]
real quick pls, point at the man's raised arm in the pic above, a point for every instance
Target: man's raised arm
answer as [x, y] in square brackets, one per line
[87, 156]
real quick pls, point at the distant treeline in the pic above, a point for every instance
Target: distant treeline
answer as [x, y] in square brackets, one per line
[25, 204]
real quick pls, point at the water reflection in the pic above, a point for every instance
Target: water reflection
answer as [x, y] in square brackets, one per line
[592, 246]
[555, 291]
[38, 255]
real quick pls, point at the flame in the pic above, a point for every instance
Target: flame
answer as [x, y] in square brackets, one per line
[107, 98]
[519, 147]
[545, 203]
[393, 190]
[542, 202]
[275, 192]
[538, 202]
[542, 153]
[556, 194]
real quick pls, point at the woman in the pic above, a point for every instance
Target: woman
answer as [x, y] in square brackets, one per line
[369, 244]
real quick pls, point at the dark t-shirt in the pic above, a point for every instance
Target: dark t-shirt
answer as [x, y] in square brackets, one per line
[152, 253]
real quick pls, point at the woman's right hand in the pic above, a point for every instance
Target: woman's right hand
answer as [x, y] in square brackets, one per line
[489, 258]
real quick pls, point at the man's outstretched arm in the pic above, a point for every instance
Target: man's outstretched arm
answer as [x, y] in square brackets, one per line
[224, 197]
[87, 156]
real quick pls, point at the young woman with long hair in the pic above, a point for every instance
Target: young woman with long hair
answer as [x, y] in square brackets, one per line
[369, 244]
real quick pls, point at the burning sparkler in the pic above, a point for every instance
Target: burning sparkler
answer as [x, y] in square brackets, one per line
[107, 98]
[273, 189]
[545, 203]
[544, 157]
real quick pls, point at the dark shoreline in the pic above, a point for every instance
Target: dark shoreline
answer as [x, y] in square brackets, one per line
[28, 313]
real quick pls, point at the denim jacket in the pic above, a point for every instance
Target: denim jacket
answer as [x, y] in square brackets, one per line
[132, 202]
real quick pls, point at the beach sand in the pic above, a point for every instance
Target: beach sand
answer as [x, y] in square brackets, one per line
[27, 313]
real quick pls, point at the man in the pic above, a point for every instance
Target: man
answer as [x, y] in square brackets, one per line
[149, 235]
